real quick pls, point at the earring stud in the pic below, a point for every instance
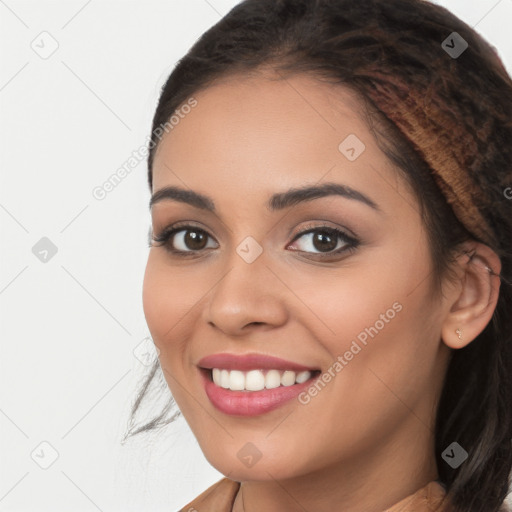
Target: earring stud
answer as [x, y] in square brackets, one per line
[458, 332]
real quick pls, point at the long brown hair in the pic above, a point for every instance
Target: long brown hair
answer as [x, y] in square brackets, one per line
[428, 110]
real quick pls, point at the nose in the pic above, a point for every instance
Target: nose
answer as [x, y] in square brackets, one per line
[247, 296]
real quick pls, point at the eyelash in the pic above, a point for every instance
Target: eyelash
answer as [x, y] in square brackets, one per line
[351, 242]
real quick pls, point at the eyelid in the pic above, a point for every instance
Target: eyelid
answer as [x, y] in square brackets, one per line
[182, 224]
[311, 226]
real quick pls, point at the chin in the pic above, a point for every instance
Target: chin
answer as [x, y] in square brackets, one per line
[250, 463]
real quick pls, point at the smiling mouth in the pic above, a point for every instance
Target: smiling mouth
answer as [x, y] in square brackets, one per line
[257, 380]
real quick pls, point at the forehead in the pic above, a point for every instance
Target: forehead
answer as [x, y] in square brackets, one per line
[260, 134]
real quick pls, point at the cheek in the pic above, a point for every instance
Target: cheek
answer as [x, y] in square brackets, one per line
[154, 299]
[166, 302]
[384, 325]
[169, 295]
[360, 303]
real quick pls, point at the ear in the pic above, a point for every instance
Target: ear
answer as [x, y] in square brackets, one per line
[473, 297]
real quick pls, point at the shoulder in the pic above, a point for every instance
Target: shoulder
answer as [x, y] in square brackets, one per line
[431, 497]
[217, 498]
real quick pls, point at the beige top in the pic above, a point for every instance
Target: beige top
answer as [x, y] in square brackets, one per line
[221, 495]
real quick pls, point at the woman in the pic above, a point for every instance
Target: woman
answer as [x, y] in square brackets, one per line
[329, 280]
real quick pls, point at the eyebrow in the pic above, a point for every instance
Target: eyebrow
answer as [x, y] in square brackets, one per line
[277, 202]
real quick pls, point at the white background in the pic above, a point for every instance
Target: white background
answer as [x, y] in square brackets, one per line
[69, 326]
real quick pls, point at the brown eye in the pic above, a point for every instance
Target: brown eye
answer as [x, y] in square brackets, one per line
[183, 239]
[324, 240]
[194, 240]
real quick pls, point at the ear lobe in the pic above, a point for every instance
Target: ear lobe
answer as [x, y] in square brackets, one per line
[474, 300]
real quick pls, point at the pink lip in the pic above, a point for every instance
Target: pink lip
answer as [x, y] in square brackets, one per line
[247, 362]
[250, 403]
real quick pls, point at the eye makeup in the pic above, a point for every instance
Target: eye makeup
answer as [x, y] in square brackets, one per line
[322, 234]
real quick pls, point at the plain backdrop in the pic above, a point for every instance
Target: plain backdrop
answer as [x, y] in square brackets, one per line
[79, 81]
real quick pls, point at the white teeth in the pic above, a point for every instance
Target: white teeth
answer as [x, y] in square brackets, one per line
[272, 379]
[256, 380]
[236, 380]
[302, 377]
[224, 379]
[288, 378]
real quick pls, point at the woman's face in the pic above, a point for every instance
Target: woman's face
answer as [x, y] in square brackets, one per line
[355, 307]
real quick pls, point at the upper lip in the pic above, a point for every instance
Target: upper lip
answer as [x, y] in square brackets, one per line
[250, 362]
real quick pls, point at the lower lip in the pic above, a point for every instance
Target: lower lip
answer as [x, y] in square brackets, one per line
[250, 403]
